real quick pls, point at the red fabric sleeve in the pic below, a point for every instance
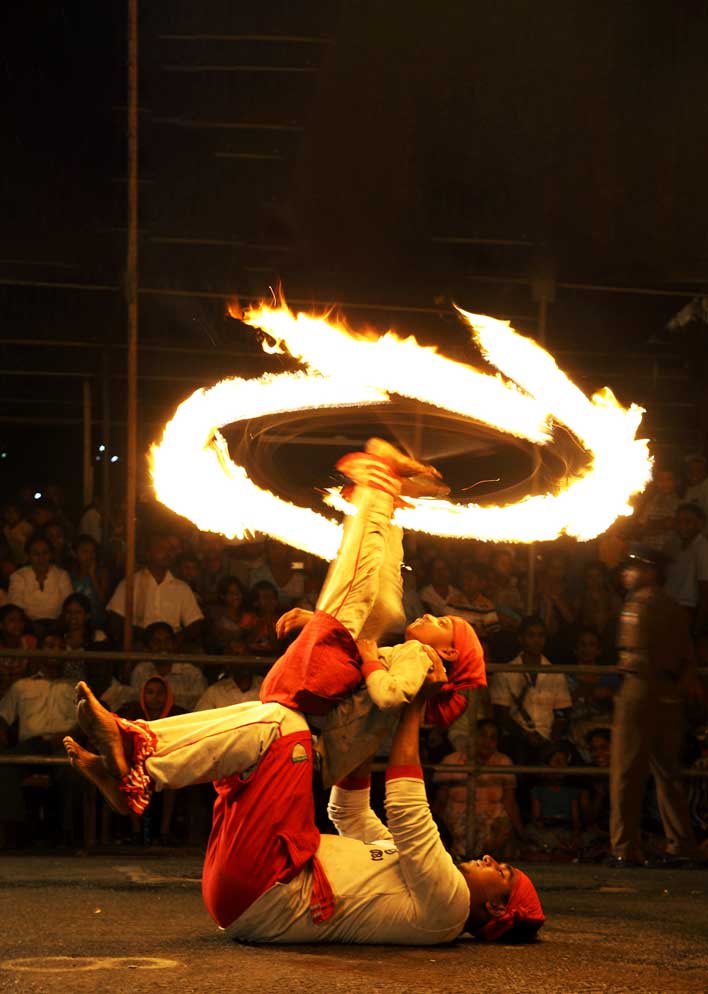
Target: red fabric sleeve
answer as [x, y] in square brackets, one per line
[370, 666]
[446, 707]
[354, 783]
[404, 772]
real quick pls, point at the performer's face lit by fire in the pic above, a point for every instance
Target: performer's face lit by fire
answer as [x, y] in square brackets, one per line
[435, 632]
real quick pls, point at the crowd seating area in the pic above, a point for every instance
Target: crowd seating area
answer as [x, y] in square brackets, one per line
[62, 589]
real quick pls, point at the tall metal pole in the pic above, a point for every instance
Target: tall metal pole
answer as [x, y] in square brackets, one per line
[106, 438]
[131, 294]
[87, 476]
[531, 568]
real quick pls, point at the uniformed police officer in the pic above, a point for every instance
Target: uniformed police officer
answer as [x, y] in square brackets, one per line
[656, 654]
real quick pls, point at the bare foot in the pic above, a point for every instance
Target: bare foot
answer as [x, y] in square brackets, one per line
[422, 485]
[399, 462]
[102, 728]
[91, 767]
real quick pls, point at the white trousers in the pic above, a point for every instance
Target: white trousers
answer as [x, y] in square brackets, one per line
[209, 745]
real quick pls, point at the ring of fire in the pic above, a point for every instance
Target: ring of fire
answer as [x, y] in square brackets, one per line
[194, 475]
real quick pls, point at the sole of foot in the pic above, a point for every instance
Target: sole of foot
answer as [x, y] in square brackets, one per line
[92, 768]
[102, 728]
[399, 462]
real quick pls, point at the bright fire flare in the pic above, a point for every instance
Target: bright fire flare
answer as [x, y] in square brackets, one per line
[194, 475]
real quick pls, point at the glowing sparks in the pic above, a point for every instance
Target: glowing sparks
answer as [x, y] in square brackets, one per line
[195, 476]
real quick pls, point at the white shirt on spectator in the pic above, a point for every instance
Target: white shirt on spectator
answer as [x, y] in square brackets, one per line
[549, 694]
[39, 602]
[117, 694]
[186, 681]
[688, 568]
[437, 604]
[41, 706]
[225, 692]
[172, 601]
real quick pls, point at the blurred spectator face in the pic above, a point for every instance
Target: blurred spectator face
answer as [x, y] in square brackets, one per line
[13, 624]
[175, 546]
[665, 481]
[189, 571]
[439, 573]
[161, 640]
[40, 556]
[487, 741]
[503, 563]
[86, 554]
[74, 616]
[688, 525]
[233, 597]
[533, 640]
[555, 568]
[696, 470]
[11, 514]
[52, 668]
[558, 760]
[43, 512]
[594, 578]
[57, 538]
[266, 600]
[472, 582]
[599, 747]
[159, 554]
[155, 696]
[587, 648]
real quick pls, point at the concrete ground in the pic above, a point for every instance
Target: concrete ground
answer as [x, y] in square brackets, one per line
[132, 922]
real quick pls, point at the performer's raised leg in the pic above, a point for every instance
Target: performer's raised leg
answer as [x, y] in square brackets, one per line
[179, 751]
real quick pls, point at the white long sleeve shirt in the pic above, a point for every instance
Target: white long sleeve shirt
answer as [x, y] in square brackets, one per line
[41, 706]
[39, 602]
[394, 886]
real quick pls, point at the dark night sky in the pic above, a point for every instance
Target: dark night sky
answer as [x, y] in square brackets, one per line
[573, 126]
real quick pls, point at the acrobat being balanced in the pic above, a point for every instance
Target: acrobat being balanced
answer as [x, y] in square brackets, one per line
[269, 876]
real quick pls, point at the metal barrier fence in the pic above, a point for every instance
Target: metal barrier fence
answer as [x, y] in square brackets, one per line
[260, 664]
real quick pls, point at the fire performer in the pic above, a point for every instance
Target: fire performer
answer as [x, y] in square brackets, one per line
[268, 874]
[321, 673]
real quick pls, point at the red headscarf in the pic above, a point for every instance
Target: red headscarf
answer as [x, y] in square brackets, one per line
[523, 906]
[465, 672]
[169, 699]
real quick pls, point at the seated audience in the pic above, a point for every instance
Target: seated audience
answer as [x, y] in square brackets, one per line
[504, 589]
[90, 578]
[687, 573]
[531, 708]
[234, 686]
[556, 827]
[158, 596]
[78, 633]
[278, 569]
[229, 620]
[439, 594]
[39, 589]
[62, 555]
[655, 516]
[262, 639]
[474, 606]
[186, 681]
[599, 604]
[498, 824]
[592, 693]
[595, 798]
[14, 635]
[155, 702]
[16, 530]
[697, 481]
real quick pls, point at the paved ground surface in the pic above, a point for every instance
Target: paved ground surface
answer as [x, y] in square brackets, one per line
[127, 923]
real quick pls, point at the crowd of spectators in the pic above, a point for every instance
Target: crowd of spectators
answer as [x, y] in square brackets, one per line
[62, 590]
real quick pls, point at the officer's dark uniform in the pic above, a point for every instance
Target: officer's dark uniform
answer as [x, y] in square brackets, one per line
[654, 650]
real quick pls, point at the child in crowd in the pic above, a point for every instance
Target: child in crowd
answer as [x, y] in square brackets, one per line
[498, 825]
[592, 693]
[229, 620]
[14, 635]
[186, 681]
[261, 637]
[556, 827]
[474, 606]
